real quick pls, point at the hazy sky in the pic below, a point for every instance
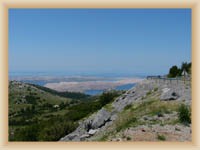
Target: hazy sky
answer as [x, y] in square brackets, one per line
[129, 41]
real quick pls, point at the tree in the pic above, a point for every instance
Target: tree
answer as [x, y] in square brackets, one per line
[173, 72]
[190, 68]
[184, 66]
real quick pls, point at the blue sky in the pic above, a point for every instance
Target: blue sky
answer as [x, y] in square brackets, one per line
[126, 41]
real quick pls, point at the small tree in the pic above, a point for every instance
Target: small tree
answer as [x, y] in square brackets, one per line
[174, 71]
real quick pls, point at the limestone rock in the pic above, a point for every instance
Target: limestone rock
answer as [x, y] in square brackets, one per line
[101, 118]
[168, 94]
[92, 132]
[84, 136]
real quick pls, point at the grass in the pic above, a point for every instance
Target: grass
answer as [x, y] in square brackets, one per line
[150, 106]
[124, 123]
[149, 93]
[109, 107]
[128, 106]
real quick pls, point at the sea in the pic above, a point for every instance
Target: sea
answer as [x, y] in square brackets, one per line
[118, 88]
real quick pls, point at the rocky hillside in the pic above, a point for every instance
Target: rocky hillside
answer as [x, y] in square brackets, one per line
[152, 110]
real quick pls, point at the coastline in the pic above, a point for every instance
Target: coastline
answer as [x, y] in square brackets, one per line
[91, 85]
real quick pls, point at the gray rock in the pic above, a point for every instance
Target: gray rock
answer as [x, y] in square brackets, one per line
[69, 137]
[99, 122]
[168, 94]
[84, 136]
[101, 118]
[92, 132]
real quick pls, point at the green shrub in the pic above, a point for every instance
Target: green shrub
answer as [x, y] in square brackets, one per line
[184, 114]
[29, 133]
[161, 137]
[57, 130]
[148, 93]
[31, 99]
[107, 97]
[155, 89]
[128, 106]
[128, 138]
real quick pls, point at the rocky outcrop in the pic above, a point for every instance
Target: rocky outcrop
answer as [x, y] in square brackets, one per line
[100, 120]
[169, 94]
[89, 126]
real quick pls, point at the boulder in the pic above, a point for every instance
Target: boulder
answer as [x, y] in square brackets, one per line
[92, 132]
[168, 94]
[100, 119]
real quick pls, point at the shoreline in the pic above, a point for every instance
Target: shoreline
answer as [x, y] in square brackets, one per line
[90, 85]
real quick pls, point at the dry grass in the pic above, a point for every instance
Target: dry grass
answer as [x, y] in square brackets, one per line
[148, 107]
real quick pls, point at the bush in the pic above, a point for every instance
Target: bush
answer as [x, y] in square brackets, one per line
[56, 131]
[128, 138]
[29, 133]
[148, 93]
[161, 137]
[31, 99]
[184, 114]
[127, 106]
[107, 97]
[155, 89]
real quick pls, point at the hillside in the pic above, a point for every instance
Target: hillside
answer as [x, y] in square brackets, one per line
[40, 114]
[155, 109]
[151, 111]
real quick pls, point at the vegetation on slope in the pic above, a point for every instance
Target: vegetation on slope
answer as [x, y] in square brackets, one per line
[73, 95]
[184, 114]
[41, 115]
[145, 112]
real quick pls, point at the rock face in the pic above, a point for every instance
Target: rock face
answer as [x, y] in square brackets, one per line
[90, 126]
[99, 121]
[168, 94]
[92, 132]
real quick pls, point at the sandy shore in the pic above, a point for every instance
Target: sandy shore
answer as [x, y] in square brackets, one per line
[90, 85]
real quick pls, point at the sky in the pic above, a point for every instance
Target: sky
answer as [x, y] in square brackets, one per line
[98, 41]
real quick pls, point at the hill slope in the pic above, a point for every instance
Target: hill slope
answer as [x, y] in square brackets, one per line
[41, 114]
[150, 111]
[32, 107]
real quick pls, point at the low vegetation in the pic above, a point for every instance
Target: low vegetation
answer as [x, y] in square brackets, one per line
[184, 114]
[73, 95]
[161, 137]
[46, 115]
[132, 114]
